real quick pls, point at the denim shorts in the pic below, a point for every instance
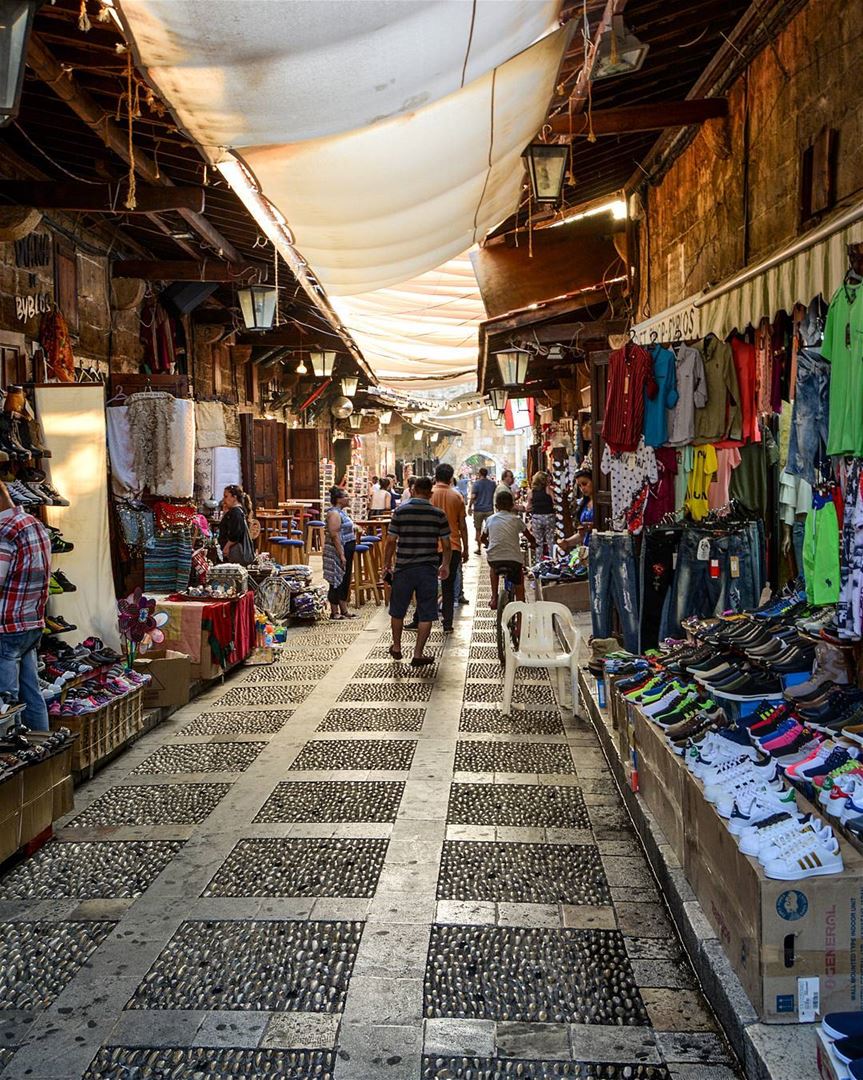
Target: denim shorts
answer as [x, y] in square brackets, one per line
[420, 579]
[807, 445]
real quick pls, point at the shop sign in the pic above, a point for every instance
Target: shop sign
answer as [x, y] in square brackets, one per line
[28, 307]
[679, 323]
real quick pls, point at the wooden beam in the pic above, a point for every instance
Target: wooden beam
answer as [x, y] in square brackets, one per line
[100, 198]
[176, 270]
[65, 86]
[291, 337]
[653, 117]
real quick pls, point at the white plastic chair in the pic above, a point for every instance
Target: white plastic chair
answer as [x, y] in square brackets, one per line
[548, 638]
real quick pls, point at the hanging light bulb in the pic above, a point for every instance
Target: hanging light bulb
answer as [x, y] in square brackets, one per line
[301, 368]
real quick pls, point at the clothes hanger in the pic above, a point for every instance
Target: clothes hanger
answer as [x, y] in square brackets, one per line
[119, 396]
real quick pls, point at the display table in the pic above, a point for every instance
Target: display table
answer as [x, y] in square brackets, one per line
[214, 634]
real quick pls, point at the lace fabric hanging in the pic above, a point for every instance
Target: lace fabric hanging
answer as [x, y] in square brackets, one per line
[151, 415]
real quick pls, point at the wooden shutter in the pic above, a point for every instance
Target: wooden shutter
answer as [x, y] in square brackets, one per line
[66, 284]
[260, 460]
[303, 463]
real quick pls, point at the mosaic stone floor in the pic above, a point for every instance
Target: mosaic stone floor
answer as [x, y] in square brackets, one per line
[339, 868]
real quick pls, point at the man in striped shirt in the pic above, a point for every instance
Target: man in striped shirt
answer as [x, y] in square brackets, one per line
[25, 572]
[419, 538]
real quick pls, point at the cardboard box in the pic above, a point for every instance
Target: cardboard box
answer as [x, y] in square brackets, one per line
[662, 777]
[796, 946]
[170, 678]
[572, 594]
[10, 815]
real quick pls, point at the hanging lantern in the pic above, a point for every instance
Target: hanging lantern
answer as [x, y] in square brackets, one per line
[258, 305]
[323, 362]
[435, 436]
[499, 397]
[546, 167]
[349, 385]
[491, 410]
[418, 435]
[498, 420]
[16, 22]
[512, 364]
[356, 420]
[386, 416]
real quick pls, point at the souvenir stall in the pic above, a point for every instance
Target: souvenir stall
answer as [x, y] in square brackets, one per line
[726, 608]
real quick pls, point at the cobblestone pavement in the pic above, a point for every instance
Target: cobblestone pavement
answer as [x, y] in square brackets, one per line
[338, 867]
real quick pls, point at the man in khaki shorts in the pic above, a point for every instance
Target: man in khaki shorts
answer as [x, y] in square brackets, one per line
[481, 502]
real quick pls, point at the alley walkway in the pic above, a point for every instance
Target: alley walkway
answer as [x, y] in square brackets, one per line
[338, 867]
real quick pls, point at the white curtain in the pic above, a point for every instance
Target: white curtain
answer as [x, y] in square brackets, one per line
[73, 418]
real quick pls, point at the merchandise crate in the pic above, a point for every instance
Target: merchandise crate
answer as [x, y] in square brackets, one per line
[103, 731]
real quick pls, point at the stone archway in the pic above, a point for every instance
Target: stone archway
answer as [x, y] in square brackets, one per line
[483, 458]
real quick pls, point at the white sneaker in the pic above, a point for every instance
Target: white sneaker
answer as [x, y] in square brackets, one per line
[749, 790]
[756, 839]
[716, 773]
[812, 857]
[764, 804]
[783, 844]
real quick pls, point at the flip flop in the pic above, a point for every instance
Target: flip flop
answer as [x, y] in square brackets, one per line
[422, 661]
[395, 655]
[336, 618]
[348, 615]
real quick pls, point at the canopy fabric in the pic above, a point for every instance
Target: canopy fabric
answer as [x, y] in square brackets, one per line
[389, 135]
[243, 74]
[424, 328]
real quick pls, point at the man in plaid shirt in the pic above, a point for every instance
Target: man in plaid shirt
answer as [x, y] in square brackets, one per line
[25, 572]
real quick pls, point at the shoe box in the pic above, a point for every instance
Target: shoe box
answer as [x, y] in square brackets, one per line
[662, 777]
[829, 1066]
[572, 594]
[170, 678]
[796, 946]
[33, 798]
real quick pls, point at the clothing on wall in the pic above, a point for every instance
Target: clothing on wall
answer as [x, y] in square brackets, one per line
[691, 383]
[630, 381]
[809, 437]
[151, 441]
[209, 425]
[656, 408]
[726, 461]
[720, 417]
[613, 577]
[632, 473]
[704, 466]
[662, 493]
[821, 551]
[843, 347]
[749, 480]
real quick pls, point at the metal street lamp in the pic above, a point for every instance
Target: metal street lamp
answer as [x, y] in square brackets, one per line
[258, 306]
[323, 362]
[16, 22]
[546, 167]
[356, 420]
[349, 385]
[386, 416]
[512, 364]
[499, 397]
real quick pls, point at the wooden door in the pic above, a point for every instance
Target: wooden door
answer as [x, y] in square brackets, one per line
[304, 481]
[13, 360]
[260, 453]
[601, 482]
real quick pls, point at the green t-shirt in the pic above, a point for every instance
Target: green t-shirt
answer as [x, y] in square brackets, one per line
[843, 347]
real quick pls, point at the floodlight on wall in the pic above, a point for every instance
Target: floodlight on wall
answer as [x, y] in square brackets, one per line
[498, 398]
[16, 22]
[386, 416]
[512, 364]
[258, 306]
[356, 420]
[620, 52]
[349, 385]
[546, 168]
[323, 362]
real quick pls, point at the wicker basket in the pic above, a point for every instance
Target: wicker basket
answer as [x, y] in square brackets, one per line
[101, 732]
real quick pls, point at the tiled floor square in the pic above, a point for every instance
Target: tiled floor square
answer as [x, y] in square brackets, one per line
[89, 870]
[282, 694]
[202, 757]
[491, 669]
[156, 804]
[531, 806]
[524, 693]
[294, 867]
[395, 670]
[485, 652]
[522, 873]
[42, 957]
[295, 651]
[410, 690]
[381, 652]
[356, 754]
[261, 965]
[333, 800]
[529, 722]
[526, 974]
[380, 719]
[238, 723]
[209, 1063]
[512, 757]
[273, 673]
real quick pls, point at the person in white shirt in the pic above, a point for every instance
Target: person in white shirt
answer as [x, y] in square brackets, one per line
[381, 501]
[501, 534]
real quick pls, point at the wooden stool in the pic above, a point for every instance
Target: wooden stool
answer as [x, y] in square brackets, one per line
[278, 549]
[296, 550]
[365, 582]
[374, 545]
[314, 536]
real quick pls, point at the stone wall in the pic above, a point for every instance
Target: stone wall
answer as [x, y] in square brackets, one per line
[733, 195]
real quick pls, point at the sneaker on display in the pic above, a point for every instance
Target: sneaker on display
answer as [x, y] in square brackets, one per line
[843, 1025]
[811, 857]
[763, 805]
[785, 841]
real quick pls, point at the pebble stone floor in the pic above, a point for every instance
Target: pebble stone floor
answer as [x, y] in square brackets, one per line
[337, 867]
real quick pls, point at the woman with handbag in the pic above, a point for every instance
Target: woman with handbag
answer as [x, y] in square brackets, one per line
[339, 544]
[235, 541]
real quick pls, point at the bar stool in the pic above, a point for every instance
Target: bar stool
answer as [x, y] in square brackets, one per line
[278, 549]
[296, 551]
[314, 536]
[365, 583]
[374, 545]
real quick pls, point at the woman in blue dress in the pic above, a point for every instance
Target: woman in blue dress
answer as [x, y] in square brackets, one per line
[339, 544]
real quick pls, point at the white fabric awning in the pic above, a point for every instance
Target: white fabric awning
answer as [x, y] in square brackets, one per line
[424, 328]
[388, 134]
